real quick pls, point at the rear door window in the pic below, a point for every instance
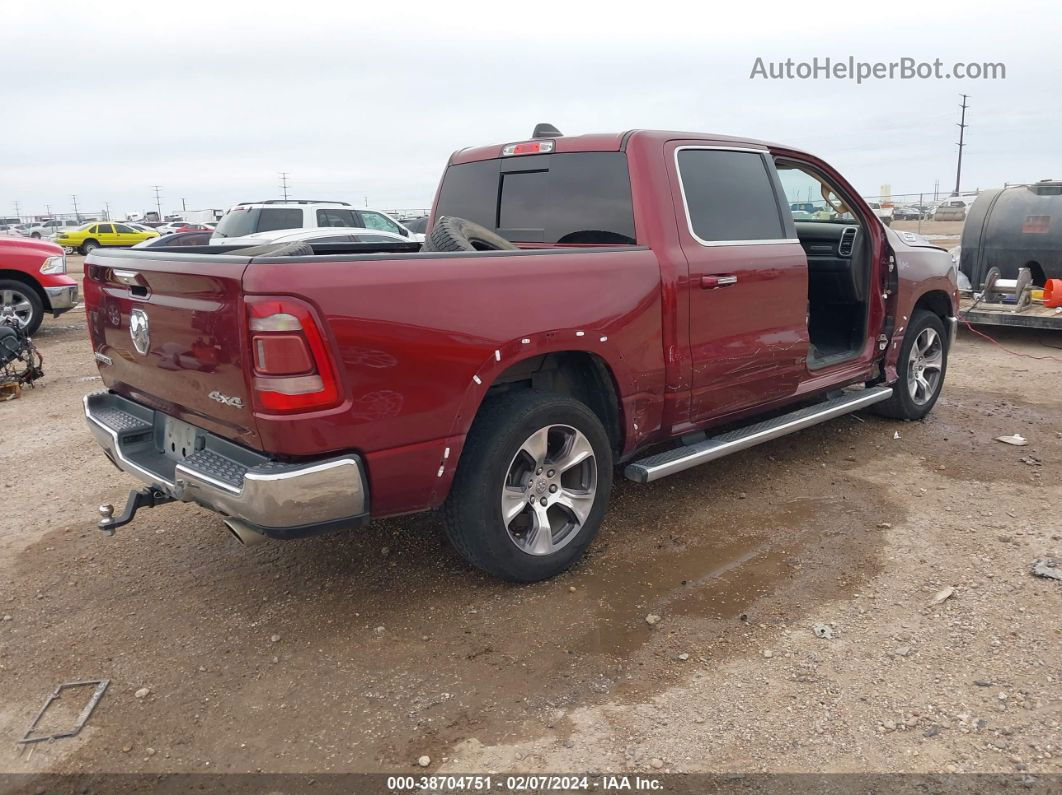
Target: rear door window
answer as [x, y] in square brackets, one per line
[729, 196]
[344, 218]
[274, 218]
[574, 197]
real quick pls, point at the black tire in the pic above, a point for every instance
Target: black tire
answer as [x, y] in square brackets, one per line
[902, 405]
[36, 315]
[35, 235]
[473, 512]
[458, 234]
[88, 247]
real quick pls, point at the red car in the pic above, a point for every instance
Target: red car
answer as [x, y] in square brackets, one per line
[33, 281]
[580, 302]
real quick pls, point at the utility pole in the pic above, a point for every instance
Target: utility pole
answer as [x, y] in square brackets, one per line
[17, 213]
[158, 200]
[962, 130]
[106, 211]
[284, 184]
[48, 210]
[936, 189]
[77, 215]
[184, 206]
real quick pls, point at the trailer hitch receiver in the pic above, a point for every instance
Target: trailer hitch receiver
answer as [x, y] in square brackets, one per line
[148, 497]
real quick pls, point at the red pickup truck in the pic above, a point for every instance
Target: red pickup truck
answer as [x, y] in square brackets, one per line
[643, 299]
[33, 282]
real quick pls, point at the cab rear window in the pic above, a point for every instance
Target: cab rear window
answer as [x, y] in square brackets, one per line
[577, 197]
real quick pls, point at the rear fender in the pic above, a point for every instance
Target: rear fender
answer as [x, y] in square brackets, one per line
[639, 408]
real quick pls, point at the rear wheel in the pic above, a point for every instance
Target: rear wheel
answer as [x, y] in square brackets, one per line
[89, 246]
[23, 303]
[921, 367]
[532, 486]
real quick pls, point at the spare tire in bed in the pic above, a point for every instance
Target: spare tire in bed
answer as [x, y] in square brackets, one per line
[459, 234]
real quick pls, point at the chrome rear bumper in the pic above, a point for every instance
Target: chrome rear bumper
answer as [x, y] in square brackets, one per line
[277, 499]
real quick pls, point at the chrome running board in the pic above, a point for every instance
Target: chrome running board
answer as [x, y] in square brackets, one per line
[669, 462]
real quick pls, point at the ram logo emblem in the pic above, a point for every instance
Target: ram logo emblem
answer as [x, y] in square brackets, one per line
[138, 330]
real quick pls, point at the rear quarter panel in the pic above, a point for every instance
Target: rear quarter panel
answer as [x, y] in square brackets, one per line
[420, 340]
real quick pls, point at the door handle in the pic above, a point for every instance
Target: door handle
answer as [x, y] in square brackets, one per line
[721, 280]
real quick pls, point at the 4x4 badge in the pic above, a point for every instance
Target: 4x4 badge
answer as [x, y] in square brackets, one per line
[225, 400]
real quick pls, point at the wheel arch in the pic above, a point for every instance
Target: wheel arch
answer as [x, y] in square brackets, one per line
[936, 301]
[580, 374]
[587, 375]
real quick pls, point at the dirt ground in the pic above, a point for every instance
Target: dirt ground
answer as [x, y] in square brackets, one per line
[364, 651]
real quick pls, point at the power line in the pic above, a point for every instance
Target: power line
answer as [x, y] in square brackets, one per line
[962, 130]
[284, 184]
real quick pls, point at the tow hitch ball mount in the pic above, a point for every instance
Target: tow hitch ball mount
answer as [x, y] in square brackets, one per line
[148, 497]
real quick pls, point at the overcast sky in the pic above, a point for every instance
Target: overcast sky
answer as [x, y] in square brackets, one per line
[361, 99]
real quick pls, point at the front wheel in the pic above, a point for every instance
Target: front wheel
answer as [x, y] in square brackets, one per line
[21, 302]
[921, 367]
[532, 486]
[89, 246]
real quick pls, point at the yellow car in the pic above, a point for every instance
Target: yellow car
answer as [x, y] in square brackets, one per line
[99, 234]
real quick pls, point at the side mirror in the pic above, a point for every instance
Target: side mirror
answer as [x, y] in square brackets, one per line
[403, 231]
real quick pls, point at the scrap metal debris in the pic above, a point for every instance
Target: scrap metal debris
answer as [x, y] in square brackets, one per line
[1031, 460]
[941, 596]
[1047, 567]
[20, 361]
[1015, 439]
[82, 719]
[823, 631]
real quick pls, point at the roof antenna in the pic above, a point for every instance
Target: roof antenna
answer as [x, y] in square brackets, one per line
[544, 130]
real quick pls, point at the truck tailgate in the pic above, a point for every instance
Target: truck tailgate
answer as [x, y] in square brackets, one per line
[168, 331]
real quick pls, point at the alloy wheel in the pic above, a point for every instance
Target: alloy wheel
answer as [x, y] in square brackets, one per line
[12, 302]
[926, 366]
[549, 489]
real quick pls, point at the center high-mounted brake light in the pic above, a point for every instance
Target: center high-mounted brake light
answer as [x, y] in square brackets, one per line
[527, 148]
[292, 368]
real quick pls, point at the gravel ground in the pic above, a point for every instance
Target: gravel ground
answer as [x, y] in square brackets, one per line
[365, 651]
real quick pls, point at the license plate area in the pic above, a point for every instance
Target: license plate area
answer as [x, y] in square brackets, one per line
[179, 439]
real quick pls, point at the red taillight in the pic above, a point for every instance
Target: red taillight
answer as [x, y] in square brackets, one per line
[292, 367]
